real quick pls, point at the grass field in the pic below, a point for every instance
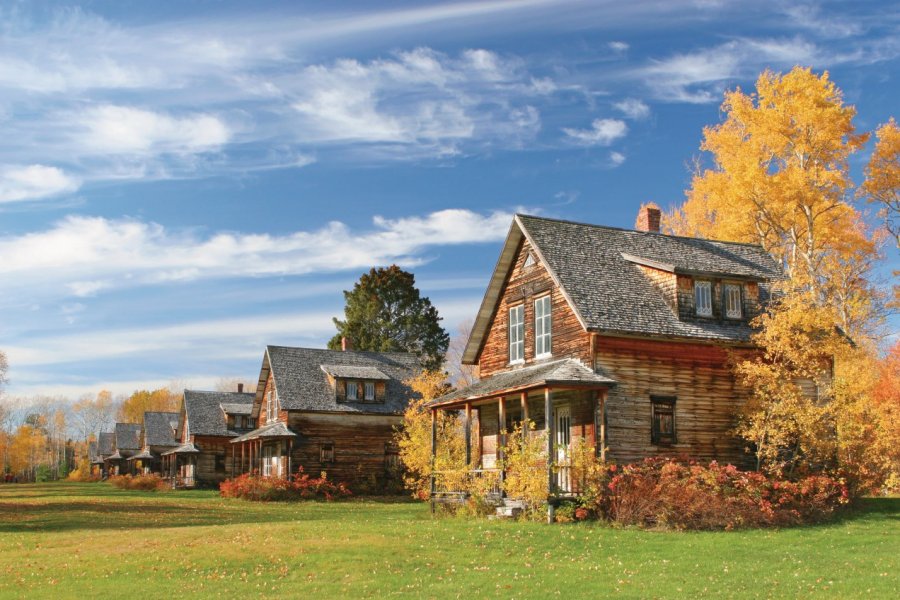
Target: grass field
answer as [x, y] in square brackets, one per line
[88, 540]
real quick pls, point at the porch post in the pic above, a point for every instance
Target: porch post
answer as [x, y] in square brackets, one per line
[433, 455]
[551, 481]
[523, 398]
[242, 458]
[501, 437]
[232, 460]
[290, 449]
[603, 425]
[468, 423]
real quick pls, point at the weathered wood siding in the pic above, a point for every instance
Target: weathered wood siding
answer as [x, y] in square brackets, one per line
[523, 286]
[698, 375]
[213, 449]
[360, 444]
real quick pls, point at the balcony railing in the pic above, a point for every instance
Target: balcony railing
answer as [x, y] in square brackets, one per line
[459, 484]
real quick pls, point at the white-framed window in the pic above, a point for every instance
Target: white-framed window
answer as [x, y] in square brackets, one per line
[326, 452]
[352, 390]
[517, 334]
[733, 301]
[542, 326]
[703, 298]
[271, 407]
[369, 390]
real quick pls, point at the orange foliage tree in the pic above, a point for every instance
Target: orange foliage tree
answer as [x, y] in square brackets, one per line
[133, 408]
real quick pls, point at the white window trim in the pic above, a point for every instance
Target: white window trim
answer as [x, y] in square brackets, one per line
[728, 288]
[520, 340]
[546, 332]
[698, 285]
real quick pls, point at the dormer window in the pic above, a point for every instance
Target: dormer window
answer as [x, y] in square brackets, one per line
[517, 334]
[733, 301]
[369, 390]
[352, 390]
[703, 298]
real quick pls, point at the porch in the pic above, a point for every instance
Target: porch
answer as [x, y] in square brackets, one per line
[266, 450]
[564, 400]
[179, 466]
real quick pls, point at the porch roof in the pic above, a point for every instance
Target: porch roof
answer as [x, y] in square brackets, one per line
[115, 456]
[567, 372]
[145, 454]
[270, 431]
[188, 448]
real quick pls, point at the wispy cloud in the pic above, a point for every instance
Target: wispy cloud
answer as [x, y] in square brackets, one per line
[34, 181]
[603, 132]
[90, 255]
[633, 108]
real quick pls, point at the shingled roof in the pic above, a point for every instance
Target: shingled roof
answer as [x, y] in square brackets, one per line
[566, 372]
[204, 412]
[597, 269]
[159, 428]
[128, 436]
[106, 443]
[302, 384]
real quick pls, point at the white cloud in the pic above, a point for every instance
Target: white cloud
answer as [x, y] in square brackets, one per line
[633, 108]
[33, 182]
[111, 129]
[603, 132]
[616, 158]
[84, 256]
[619, 46]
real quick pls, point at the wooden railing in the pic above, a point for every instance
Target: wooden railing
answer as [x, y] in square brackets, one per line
[458, 484]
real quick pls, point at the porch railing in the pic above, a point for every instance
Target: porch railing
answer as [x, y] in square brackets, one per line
[458, 484]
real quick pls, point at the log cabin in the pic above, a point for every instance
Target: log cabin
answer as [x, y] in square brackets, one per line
[159, 434]
[127, 440]
[207, 423]
[327, 410]
[621, 338]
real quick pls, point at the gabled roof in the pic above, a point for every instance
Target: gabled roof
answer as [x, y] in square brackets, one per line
[301, 383]
[188, 448]
[204, 412]
[567, 372]
[159, 428]
[128, 436]
[596, 269]
[106, 443]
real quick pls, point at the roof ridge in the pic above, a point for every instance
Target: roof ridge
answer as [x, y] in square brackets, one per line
[625, 229]
[400, 352]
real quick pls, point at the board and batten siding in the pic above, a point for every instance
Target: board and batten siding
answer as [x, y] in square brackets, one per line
[523, 286]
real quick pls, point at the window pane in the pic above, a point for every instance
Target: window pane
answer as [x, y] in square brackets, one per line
[733, 301]
[351, 390]
[703, 298]
[516, 334]
[542, 326]
[370, 391]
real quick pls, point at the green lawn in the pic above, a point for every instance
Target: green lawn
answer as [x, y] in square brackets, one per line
[88, 540]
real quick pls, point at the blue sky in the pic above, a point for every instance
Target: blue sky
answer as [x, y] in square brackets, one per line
[183, 183]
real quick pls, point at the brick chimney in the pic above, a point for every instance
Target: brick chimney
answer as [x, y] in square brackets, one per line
[346, 344]
[648, 218]
[240, 388]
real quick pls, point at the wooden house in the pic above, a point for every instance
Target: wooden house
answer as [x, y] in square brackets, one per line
[159, 434]
[207, 423]
[106, 448]
[619, 337]
[127, 443]
[327, 410]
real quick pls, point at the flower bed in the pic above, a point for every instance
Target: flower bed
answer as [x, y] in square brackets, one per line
[300, 486]
[667, 493]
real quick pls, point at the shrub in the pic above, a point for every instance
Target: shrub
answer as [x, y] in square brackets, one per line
[300, 486]
[667, 493]
[525, 461]
[147, 483]
[82, 472]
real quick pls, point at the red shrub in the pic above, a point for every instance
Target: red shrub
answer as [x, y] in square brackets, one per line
[300, 486]
[686, 495]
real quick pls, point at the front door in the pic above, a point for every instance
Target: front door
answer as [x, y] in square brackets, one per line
[563, 419]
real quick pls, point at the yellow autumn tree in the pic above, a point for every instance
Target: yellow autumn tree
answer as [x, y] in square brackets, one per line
[780, 178]
[882, 185]
[414, 435]
[133, 408]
